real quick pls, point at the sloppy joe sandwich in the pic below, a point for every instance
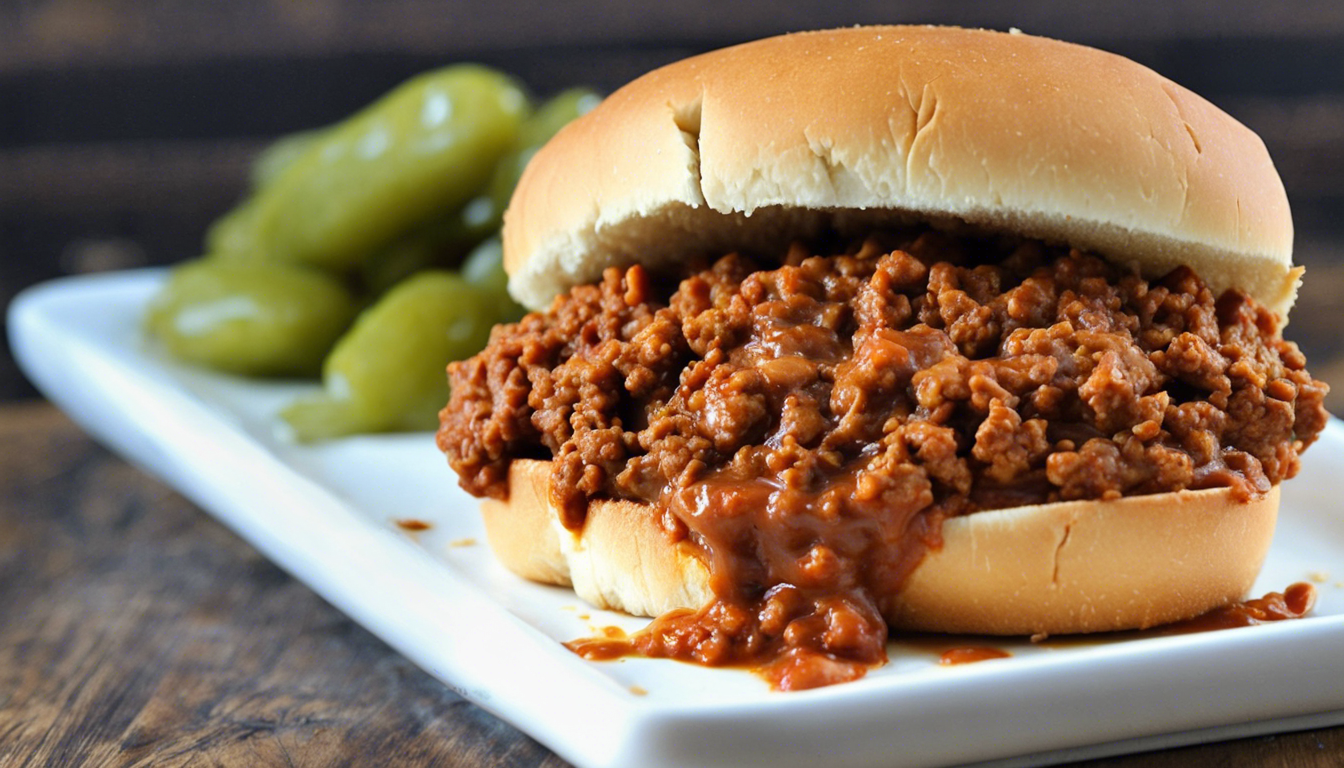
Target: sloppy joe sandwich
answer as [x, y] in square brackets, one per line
[890, 327]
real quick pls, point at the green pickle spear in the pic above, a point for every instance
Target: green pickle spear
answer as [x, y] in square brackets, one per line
[555, 114]
[440, 243]
[425, 147]
[484, 268]
[485, 212]
[251, 319]
[381, 202]
[387, 373]
[276, 158]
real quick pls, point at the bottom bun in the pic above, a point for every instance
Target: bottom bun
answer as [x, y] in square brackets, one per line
[1075, 566]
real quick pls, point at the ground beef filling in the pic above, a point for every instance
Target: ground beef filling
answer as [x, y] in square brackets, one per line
[809, 424]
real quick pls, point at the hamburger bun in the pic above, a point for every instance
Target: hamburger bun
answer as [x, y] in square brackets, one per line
[1073, 566]
[755, 146]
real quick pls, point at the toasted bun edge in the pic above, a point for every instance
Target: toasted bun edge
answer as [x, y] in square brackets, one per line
[1066, 567]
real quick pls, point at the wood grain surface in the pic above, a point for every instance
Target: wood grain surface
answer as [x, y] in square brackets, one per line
[136, 631]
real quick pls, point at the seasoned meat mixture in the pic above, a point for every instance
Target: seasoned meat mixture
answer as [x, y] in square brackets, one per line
[808, 425]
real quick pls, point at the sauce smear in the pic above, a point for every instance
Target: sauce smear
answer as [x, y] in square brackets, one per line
[611, 644]
[1293, 603]
[970, 655]
[786, 669]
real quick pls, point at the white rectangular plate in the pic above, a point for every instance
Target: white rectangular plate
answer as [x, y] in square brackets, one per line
[327, 515]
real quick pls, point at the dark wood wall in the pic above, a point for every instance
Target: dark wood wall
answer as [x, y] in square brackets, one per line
[127, 125]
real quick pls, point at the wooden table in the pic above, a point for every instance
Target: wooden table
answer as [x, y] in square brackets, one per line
[135, 630]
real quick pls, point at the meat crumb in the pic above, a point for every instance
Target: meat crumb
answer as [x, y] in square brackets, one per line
[808, 423]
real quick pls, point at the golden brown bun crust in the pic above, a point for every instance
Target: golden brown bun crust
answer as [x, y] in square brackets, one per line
[758, 144]
[1090, 566]
[623, 560]
[1086, 566]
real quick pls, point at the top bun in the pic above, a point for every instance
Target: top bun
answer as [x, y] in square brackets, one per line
[752, 146]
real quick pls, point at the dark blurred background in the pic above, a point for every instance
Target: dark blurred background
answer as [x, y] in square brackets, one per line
[126, 126]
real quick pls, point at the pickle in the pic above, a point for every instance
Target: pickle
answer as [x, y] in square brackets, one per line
[231, 237]
[425, 147]
[484, 268]
[555, 114]
[361, 203]
[440, 243]
[276, 158]
[388, 372]
[251, 319]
